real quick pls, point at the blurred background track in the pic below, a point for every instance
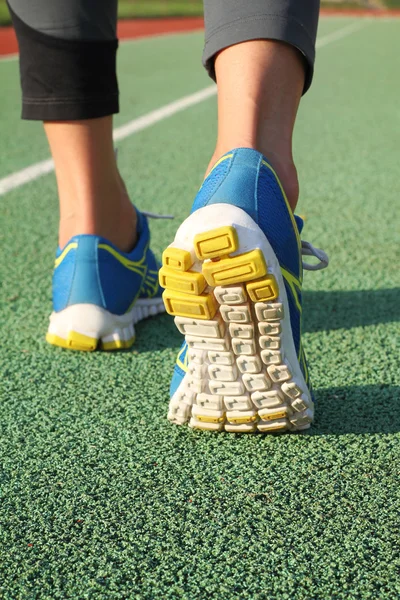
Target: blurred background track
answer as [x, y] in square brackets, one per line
[128, 9]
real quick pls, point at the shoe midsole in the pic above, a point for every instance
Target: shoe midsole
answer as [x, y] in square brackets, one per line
[96, 322]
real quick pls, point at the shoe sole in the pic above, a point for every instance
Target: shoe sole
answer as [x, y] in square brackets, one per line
[88, 327]
[225, 289]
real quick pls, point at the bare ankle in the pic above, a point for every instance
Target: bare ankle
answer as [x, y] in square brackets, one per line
[93, 197]
[116, 221]
[260, 83]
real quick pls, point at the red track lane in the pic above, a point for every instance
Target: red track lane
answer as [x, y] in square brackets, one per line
[130, 29]
[8, 41]
[138, 28]
[362, 12]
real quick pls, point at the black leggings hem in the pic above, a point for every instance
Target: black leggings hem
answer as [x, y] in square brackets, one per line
[272, 27]
[66, 80]
[76, 109]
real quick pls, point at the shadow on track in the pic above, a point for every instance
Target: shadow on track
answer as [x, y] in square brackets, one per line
[157, 333]
[357, 409]
[324, 311]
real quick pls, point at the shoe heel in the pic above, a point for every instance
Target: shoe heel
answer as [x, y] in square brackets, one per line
[87, 327]
[225, 289]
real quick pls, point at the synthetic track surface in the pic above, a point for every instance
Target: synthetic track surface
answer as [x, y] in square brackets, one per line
[101, 497]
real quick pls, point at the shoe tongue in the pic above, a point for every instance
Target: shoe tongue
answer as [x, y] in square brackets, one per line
[299, 222]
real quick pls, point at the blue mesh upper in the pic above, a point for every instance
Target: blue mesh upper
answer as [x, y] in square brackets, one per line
[295, 318]
[151, 286]
[94, 271]
[274, 219]
[179, 372]
[62, 278]
[211, 184]
[242, 179]
[120, 286]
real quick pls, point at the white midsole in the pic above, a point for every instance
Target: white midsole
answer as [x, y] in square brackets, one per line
[96, 322]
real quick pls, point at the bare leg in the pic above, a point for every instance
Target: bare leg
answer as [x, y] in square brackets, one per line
[260, 84]
[93, 197]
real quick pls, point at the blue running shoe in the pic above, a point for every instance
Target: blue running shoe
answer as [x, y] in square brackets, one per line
[232, 280]
[99, 292]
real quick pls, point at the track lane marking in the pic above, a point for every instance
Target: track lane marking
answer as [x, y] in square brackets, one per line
[342, 32]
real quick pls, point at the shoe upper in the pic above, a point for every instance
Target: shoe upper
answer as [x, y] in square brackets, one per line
[91, 270]
[245, 178]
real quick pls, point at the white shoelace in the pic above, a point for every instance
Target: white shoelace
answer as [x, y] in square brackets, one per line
[156, 215]
[308, 249]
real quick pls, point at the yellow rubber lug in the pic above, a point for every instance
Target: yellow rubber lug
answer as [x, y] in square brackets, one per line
[216, 242]
[118, 344]
[282, 414]
[177, 259]
[265, 289]
[240, 420]
[183, 305]
[236, 269]
[207, 419]
[74, 341]
[189, 282]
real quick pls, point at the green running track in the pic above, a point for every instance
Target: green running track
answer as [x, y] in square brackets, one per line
[100, 496]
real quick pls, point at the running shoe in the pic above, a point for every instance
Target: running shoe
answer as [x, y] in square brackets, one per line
[233, 280]
[99, 292]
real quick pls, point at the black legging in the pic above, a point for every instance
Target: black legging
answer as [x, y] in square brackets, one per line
[68, 47]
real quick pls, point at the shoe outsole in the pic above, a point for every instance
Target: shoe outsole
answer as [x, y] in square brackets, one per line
[225, 289]
[87, 327]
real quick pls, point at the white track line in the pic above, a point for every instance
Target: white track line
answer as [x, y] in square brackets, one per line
[9, 57]
[341, 33]
[46, 166]
[162, 113]
[15, 180]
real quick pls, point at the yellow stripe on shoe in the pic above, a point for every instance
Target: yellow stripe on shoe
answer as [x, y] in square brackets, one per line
[67, 249]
